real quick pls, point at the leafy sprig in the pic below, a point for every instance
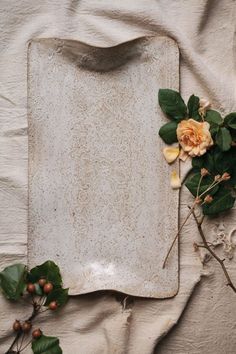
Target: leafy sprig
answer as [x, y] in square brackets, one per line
[42, 288]
[219, 159]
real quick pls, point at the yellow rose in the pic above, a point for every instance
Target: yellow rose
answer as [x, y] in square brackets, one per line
[194, 137]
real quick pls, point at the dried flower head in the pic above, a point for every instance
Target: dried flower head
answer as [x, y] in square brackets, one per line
[226, 176]
[204, 172]
[217, 178]
[198, 200]
[208, 199]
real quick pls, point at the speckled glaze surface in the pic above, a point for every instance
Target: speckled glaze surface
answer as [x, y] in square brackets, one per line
[100, 204]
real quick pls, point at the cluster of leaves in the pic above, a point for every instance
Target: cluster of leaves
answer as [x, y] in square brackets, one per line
[16, 281]
[219, 159]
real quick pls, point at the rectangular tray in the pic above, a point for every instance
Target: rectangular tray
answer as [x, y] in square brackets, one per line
[100, 203]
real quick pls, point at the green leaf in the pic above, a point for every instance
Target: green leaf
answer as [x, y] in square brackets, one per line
[214, 128]
[48, 270]
[193, 106]
[222, 201]
[224, 161]
[198, 162]
[213, 117]
[59, 295]
[230, 120]
[46, 345]
[223, 139]
[172, 104]
[168, 132]
[193, 181]
[13, 281]
[233, 134]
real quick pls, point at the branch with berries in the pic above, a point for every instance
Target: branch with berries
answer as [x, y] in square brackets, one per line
[41, 287]
[199, 133]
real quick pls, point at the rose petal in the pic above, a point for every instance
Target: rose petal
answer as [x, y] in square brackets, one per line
[183, 155]
[171, 153]
[175, 180]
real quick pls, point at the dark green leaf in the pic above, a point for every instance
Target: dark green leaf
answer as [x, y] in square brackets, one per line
[198, 162]
[59, 295]
[230, 120]
[46, 345]
[222, 201]
[13, 281]
[193, 182]
[193, 106]
[48, 270]
[214, 128]
[223, 139]
[213, 117]
[172, 104]
[168, 132]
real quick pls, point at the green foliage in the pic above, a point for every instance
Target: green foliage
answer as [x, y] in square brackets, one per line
[48, 270]
[13, 281]
[46, 345]
[168, 132]
[193, 182]
[193, 106]
[230, 120]
[216, 162]
[223, 139]
[172, 104]
[59, 295]
[213, 117]
[222, 201]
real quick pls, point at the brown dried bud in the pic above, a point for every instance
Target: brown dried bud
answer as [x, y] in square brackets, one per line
[204, 172]
[198, 200]
[217, 178]
[226, 176]
[208, 199]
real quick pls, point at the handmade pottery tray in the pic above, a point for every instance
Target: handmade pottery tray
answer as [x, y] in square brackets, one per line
[100, 203]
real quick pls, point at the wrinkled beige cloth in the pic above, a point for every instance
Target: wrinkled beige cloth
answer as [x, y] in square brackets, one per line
[104, 323]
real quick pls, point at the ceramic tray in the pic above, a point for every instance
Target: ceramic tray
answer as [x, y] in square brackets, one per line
[100, 204]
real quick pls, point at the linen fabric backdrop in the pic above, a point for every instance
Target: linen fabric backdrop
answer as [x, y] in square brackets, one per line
[106, 323]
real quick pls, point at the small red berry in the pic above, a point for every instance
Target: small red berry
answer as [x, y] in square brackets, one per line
[47, 288]
[36, 333]
[42, 282]
[16, 326]
[26, 326]
[53, 305]
[31, 288]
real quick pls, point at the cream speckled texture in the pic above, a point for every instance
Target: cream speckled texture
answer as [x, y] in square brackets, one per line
[98, 324]
[99, 195]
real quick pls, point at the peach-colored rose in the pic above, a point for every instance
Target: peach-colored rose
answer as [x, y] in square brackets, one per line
[194, 137]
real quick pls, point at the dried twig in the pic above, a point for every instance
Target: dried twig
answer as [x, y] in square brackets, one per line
[214, 255]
